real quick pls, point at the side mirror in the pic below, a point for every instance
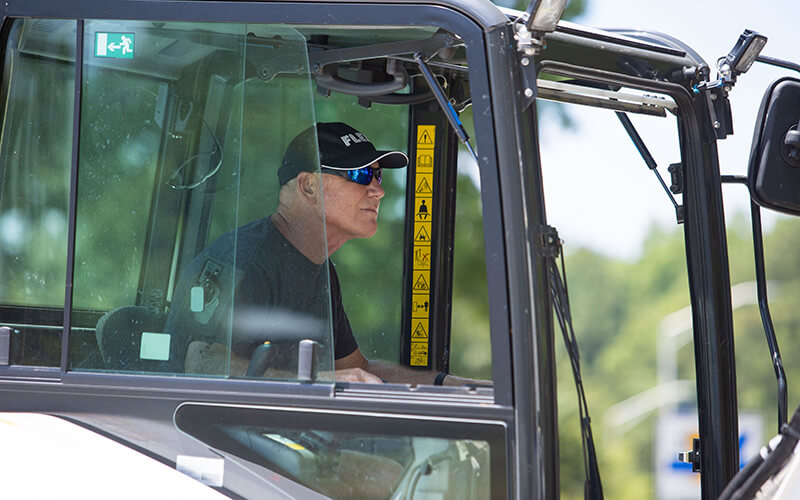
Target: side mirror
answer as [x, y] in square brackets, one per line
[773, 175]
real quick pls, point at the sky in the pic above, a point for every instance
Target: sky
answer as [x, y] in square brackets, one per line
[598, 191]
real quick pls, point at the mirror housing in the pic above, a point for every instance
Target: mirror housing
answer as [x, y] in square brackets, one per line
[773, 174]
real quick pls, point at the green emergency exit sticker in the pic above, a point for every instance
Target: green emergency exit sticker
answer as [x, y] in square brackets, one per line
[118, 45]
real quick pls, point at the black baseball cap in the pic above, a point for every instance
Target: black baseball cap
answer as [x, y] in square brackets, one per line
[341, 147]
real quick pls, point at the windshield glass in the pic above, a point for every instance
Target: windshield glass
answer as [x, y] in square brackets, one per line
[169, 222]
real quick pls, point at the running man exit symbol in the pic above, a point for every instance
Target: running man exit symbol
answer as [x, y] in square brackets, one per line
[117, 45]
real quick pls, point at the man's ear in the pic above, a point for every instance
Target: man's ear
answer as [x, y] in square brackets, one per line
[308, 185]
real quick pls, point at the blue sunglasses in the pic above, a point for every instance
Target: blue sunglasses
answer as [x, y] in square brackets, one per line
[361, 175]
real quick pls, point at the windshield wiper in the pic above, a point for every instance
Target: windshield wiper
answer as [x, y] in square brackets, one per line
[593, 487]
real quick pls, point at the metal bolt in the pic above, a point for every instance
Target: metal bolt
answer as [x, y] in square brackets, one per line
[528, 93]
[717, 125]
[713, 97]
[525, 61]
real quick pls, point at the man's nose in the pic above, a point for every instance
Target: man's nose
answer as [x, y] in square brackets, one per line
[375, 190]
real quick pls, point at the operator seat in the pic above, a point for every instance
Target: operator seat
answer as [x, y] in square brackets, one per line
[120, 333]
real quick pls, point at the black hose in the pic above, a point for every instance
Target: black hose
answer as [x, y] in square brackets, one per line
[755, 477]
[741, 476]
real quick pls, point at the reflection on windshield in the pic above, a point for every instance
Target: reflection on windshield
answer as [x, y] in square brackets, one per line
[349, 465]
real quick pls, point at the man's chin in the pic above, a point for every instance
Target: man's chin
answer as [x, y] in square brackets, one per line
[369, 230]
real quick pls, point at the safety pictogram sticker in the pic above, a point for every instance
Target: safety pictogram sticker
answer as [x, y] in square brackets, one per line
[419, 354]
[423, 185]
[421, 281]
[426, 136]
[422, 257]
[422, 234]
[425, 160]
[423, 210]
[420, 305]
[419, 330]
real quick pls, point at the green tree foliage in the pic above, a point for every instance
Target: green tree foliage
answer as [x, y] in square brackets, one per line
[617, 306]
[469, 345]
[35, 166]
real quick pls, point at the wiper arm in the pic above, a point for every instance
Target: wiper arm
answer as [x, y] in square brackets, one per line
[558, 290]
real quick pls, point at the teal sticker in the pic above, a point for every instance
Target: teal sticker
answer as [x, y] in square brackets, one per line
[154, 346]
[197, 299]
[118, 45]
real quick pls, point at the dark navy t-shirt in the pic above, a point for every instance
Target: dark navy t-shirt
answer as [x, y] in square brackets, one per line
[276, 292]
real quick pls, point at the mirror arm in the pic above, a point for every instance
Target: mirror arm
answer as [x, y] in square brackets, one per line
[763, 302]
[773, 61]
[766, 317]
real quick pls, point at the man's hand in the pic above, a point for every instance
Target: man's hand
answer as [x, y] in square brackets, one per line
[356, 375]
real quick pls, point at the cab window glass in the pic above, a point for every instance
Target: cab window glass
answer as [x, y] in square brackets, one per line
[354, 456]
[363, 465]
[371, 270]
[628, 294]
[413, 249]
[470, 339]
[38, 90]
[174, 250]
[415, 293]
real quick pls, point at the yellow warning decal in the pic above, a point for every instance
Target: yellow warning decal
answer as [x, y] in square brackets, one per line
[421, 281]
[419, 354]
[421, 259]
[424, 160]
[422, 233]
[424, 183]
[419, 330]
[426, 134]
[420, 306]
[422, 210]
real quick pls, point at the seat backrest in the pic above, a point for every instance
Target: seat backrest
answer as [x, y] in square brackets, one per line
[132, 338]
